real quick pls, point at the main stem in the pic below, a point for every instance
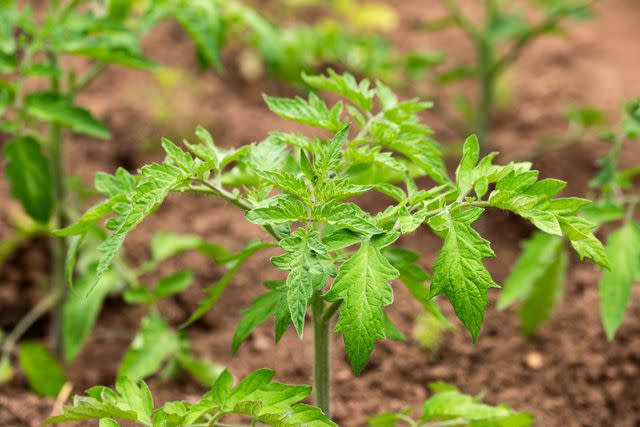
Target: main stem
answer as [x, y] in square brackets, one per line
[487, 88]
[58, 244]
[321, 350]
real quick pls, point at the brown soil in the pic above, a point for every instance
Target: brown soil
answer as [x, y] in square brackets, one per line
[581, 379]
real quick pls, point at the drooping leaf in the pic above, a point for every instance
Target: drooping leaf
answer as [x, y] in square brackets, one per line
[363, 287]
[459, 271]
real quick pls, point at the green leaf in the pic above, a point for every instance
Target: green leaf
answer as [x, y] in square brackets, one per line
[119, 9]
[203, 21]
[105, 48]
[280, 210]
[346, 215]
[90, 218]
[286, 182]
[166, 245]
[603, 211]
[265, 402]
[363, 287]
[422, 151]
[313, 112]
[414, 277]
[44, 374]
[81, 309]
[173, 284]
[153, 345]
[458, 271]
[310, 266]
[391, 331]
[30, 178]
[545, 294]
[451, 404]
[108, 422]
[273, 303]
[465, 177]
[202, 370]
[157, 181]
[580, 233]
[623, 251]
[130, 402]
[7, 93]
[346, 85]
[538, 256]
[54, 108]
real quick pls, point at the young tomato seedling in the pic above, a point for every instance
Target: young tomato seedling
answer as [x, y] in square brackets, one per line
[450, 408]
[537, 280]
[38, 92]
[504, 34]
[340, 258]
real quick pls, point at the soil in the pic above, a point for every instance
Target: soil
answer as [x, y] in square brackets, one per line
[567, 375]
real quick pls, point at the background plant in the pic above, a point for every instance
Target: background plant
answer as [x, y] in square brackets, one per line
[38, 106]
[295, 187]
[506, 30]
[537, 280]
[449, 407]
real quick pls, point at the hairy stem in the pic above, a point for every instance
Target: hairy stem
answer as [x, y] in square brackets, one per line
[321, 363]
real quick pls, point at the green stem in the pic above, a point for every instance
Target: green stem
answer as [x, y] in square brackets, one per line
[42, 308]
[59, 245]
[321, 350]
[487, 89]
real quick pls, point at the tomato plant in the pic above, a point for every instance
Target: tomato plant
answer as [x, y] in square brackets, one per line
[499, 39]
[537, 280]
[340, 259]
[38, 105]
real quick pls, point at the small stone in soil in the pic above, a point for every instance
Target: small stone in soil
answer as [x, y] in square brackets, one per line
[534, 360]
